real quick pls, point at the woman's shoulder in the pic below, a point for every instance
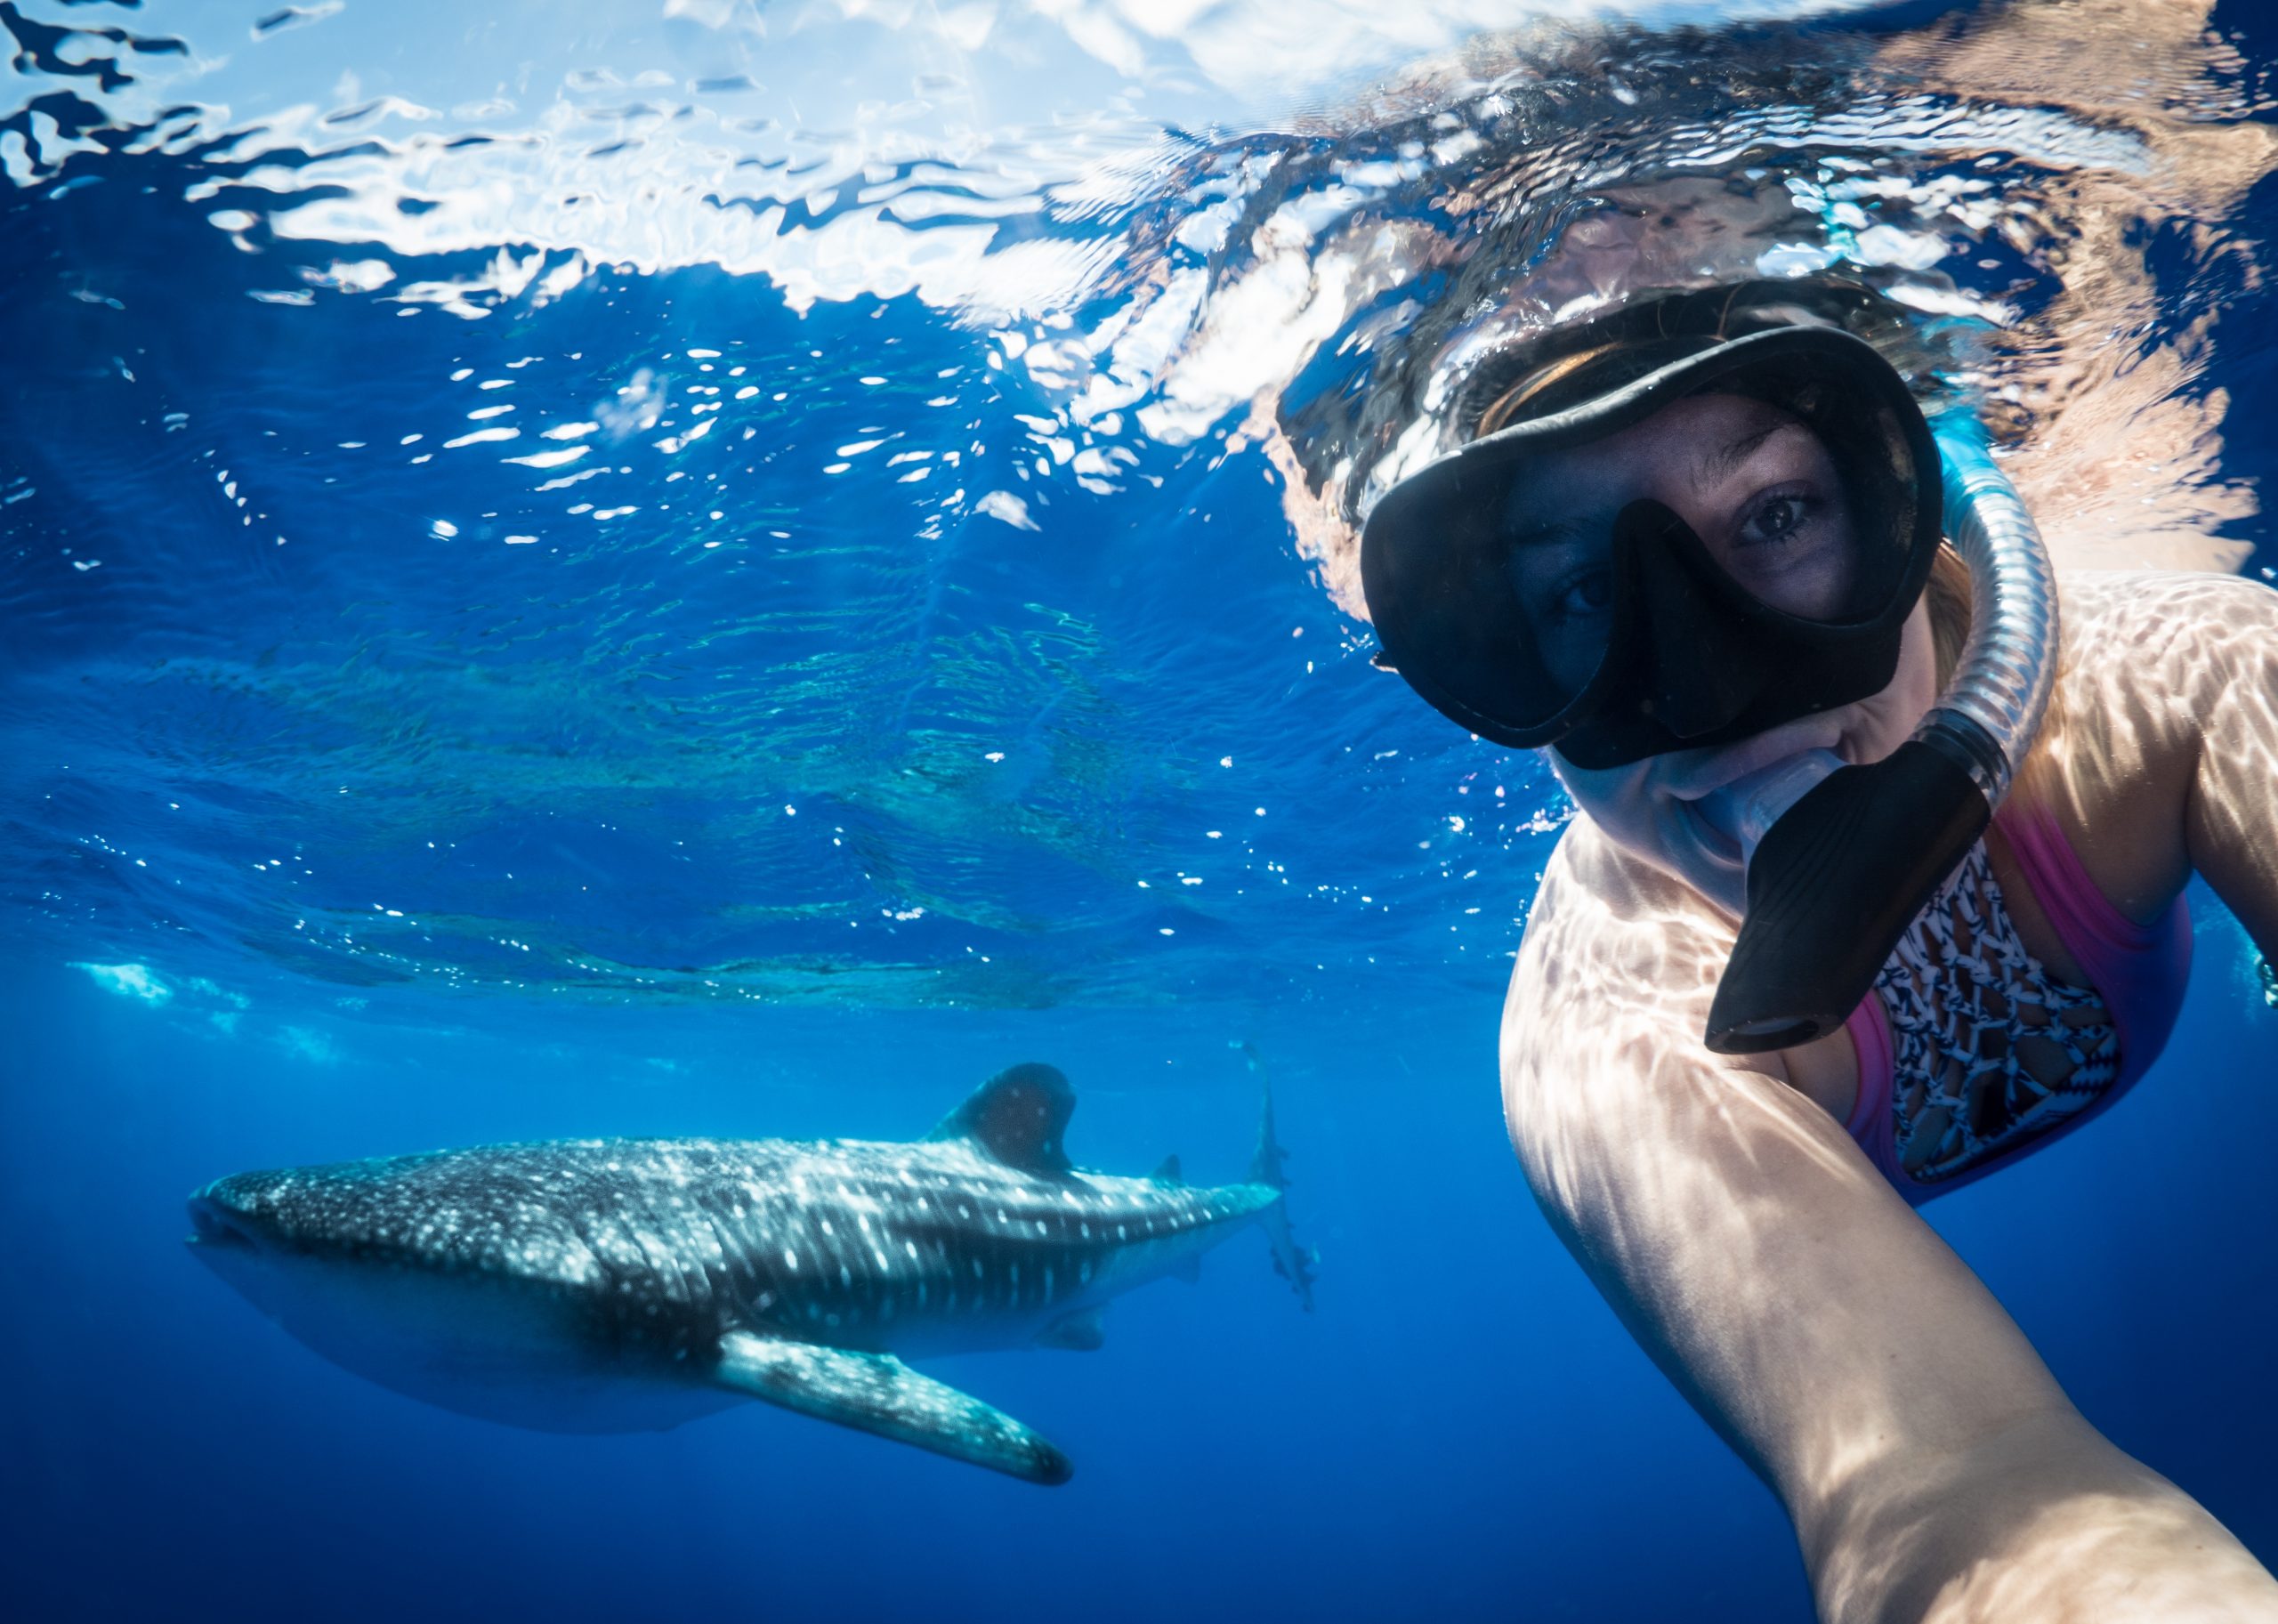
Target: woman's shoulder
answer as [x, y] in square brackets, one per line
[2146, 649]
[2161, 611]
[2147, 657]
[1611, 941]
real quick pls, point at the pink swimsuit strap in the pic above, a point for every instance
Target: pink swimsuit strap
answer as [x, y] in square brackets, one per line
[2138, 970]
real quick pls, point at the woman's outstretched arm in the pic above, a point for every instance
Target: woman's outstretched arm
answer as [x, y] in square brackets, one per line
[1932, 1466]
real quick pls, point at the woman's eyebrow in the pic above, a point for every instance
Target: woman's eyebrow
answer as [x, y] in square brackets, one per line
[1713, 468]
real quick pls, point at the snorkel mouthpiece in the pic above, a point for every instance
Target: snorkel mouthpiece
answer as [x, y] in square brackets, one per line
[1847, 855]
[1749, 806]
[1831, 887]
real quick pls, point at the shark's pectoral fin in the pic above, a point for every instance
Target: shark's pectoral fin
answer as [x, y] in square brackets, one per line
[1189, 1269]
[1081, 1331]
[879, 1394]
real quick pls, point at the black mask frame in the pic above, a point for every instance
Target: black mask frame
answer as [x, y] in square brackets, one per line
[1693, 660]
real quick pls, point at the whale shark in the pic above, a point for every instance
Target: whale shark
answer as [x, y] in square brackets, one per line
[612, 1285]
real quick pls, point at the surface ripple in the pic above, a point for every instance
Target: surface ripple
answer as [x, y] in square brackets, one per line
[649, 513]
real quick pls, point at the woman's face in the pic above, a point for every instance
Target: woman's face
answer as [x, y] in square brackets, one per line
[1760, 490]
[1756, 486]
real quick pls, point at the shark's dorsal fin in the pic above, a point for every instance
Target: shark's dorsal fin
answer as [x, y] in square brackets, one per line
[1018, 1116]
[879, 1393]
[1168, 1173]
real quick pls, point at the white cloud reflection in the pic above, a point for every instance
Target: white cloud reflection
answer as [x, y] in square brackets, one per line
[1132, 193]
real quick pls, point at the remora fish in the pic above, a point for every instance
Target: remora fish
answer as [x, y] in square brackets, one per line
[609, 1285]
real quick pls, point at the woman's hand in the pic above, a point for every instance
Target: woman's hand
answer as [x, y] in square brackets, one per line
[2041, 1520]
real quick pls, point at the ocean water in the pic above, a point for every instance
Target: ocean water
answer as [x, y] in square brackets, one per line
[707, 568]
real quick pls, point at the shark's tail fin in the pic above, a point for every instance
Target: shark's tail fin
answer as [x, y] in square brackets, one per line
[1292, 1262]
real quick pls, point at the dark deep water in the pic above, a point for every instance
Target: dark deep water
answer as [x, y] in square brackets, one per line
[1461, 1428]
[935, 708]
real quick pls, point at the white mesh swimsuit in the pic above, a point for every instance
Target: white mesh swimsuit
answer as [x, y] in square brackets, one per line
[1971, 1053]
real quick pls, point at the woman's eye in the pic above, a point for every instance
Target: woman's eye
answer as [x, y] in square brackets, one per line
[1587, 593]
[1775, 516]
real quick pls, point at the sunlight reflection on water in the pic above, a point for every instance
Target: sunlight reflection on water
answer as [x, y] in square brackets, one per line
[932, 476]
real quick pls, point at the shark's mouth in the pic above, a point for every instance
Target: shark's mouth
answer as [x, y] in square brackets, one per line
[214, 1227]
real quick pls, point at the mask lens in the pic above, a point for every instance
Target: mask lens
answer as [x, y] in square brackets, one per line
[1517, 585]
[1562, 577]
[1810, 509]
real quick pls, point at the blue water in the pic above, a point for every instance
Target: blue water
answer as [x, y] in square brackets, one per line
[360, 792]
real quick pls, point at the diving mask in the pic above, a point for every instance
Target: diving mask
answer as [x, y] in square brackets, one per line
[1653, 638]
[1523, 614]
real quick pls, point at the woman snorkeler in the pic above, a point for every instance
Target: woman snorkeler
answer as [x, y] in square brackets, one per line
[1874, 887]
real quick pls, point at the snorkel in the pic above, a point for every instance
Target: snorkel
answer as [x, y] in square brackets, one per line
[1841, 858]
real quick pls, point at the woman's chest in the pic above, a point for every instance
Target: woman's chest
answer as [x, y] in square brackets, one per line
[1984, 981]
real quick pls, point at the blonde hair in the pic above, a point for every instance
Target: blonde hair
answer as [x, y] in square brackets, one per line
[1947, 594]
[1507, 406]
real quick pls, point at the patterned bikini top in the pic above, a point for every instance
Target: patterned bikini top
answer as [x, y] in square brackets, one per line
[1988, 1049]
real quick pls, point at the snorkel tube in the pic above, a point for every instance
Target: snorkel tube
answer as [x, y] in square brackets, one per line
[1840, 859]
